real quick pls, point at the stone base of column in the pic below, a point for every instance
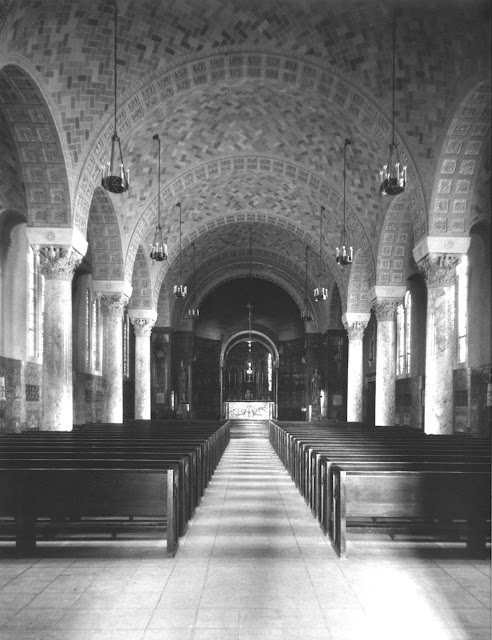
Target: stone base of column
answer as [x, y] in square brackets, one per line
[183, 411]
[314, 412]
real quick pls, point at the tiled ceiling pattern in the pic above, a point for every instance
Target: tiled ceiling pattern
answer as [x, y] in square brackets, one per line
[252, 101]
[483, 189]
[104, 238]
[38, 148]
[12, 188]
[279, 194]
[459, 162]
[71, 44]
[141, 284]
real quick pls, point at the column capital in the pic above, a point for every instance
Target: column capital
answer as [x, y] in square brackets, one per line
[385, 308]
[57, 236]
[439, 269]
[355, 324]
[112, 287]
[58, 262]
[441, 244]
[113, 304]
[142, 326]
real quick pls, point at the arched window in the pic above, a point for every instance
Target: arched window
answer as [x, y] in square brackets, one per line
[35, 305]
[461, 310]
[126, 346]
[92, 331]
[408, 329]
[403, 335]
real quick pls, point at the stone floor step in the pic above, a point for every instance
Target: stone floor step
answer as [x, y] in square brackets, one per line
[257, 429]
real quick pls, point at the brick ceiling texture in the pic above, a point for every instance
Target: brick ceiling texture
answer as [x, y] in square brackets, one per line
[252, 101]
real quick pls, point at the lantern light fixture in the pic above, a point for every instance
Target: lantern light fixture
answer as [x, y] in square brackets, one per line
[180, 290]
[305, 315]
[393, 176]
[193, 313]
[345, 254]
[158, 249]
[249, 370]
[111, 181]
[320, 293]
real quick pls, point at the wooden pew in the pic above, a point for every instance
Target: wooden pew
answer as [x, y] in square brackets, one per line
[28, 493]
[146, 451]
[418, 497]
[311, 451]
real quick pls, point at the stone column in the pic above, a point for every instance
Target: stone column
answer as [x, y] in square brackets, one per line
[143, 321]
[385, 310]
[437, 257]
[355, 324]
[113, 306]
[57, 265]
[439, 273]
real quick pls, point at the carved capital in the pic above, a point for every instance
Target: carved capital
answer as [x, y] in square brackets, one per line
[113, 305]
[385, 309]
[58, 263]
[143, 326]
[438, 269]
[355, 330]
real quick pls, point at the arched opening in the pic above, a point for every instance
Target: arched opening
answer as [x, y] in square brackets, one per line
[248, 375]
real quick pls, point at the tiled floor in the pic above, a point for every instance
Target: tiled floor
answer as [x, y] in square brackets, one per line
[254, 565]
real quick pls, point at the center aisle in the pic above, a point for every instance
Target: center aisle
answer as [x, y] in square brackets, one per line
[260, 557]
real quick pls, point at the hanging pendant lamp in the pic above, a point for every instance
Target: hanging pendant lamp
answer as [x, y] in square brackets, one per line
[249, 370]
[320, 293]
[193, 313]
[180, 290]
[158, 249]
[305, 315]
[393, 176]
[345, 253]
[112, 180]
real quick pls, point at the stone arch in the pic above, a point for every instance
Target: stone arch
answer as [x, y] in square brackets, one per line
[319, 190]
[335, 309]
[395, 245]
[235, 66]
[241, 336]
[105, 238]
[216, 275]
[41, 152]
[358, 285]
[142, 295]
[459, 163]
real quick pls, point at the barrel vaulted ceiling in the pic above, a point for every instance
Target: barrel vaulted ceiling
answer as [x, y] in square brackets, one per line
[252, 102]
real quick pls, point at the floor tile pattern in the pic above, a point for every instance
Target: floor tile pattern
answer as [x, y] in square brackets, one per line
[253, 565]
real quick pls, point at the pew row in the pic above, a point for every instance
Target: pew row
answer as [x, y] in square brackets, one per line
[118, 476]
[311, 452]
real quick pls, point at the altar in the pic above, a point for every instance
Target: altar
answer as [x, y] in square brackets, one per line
[249, 410]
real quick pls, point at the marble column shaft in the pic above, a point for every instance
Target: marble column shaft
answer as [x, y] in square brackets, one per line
[113, 306]
[439, 272]
[57, 264]
[385, 310]
[355, 332]
[143, 330]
